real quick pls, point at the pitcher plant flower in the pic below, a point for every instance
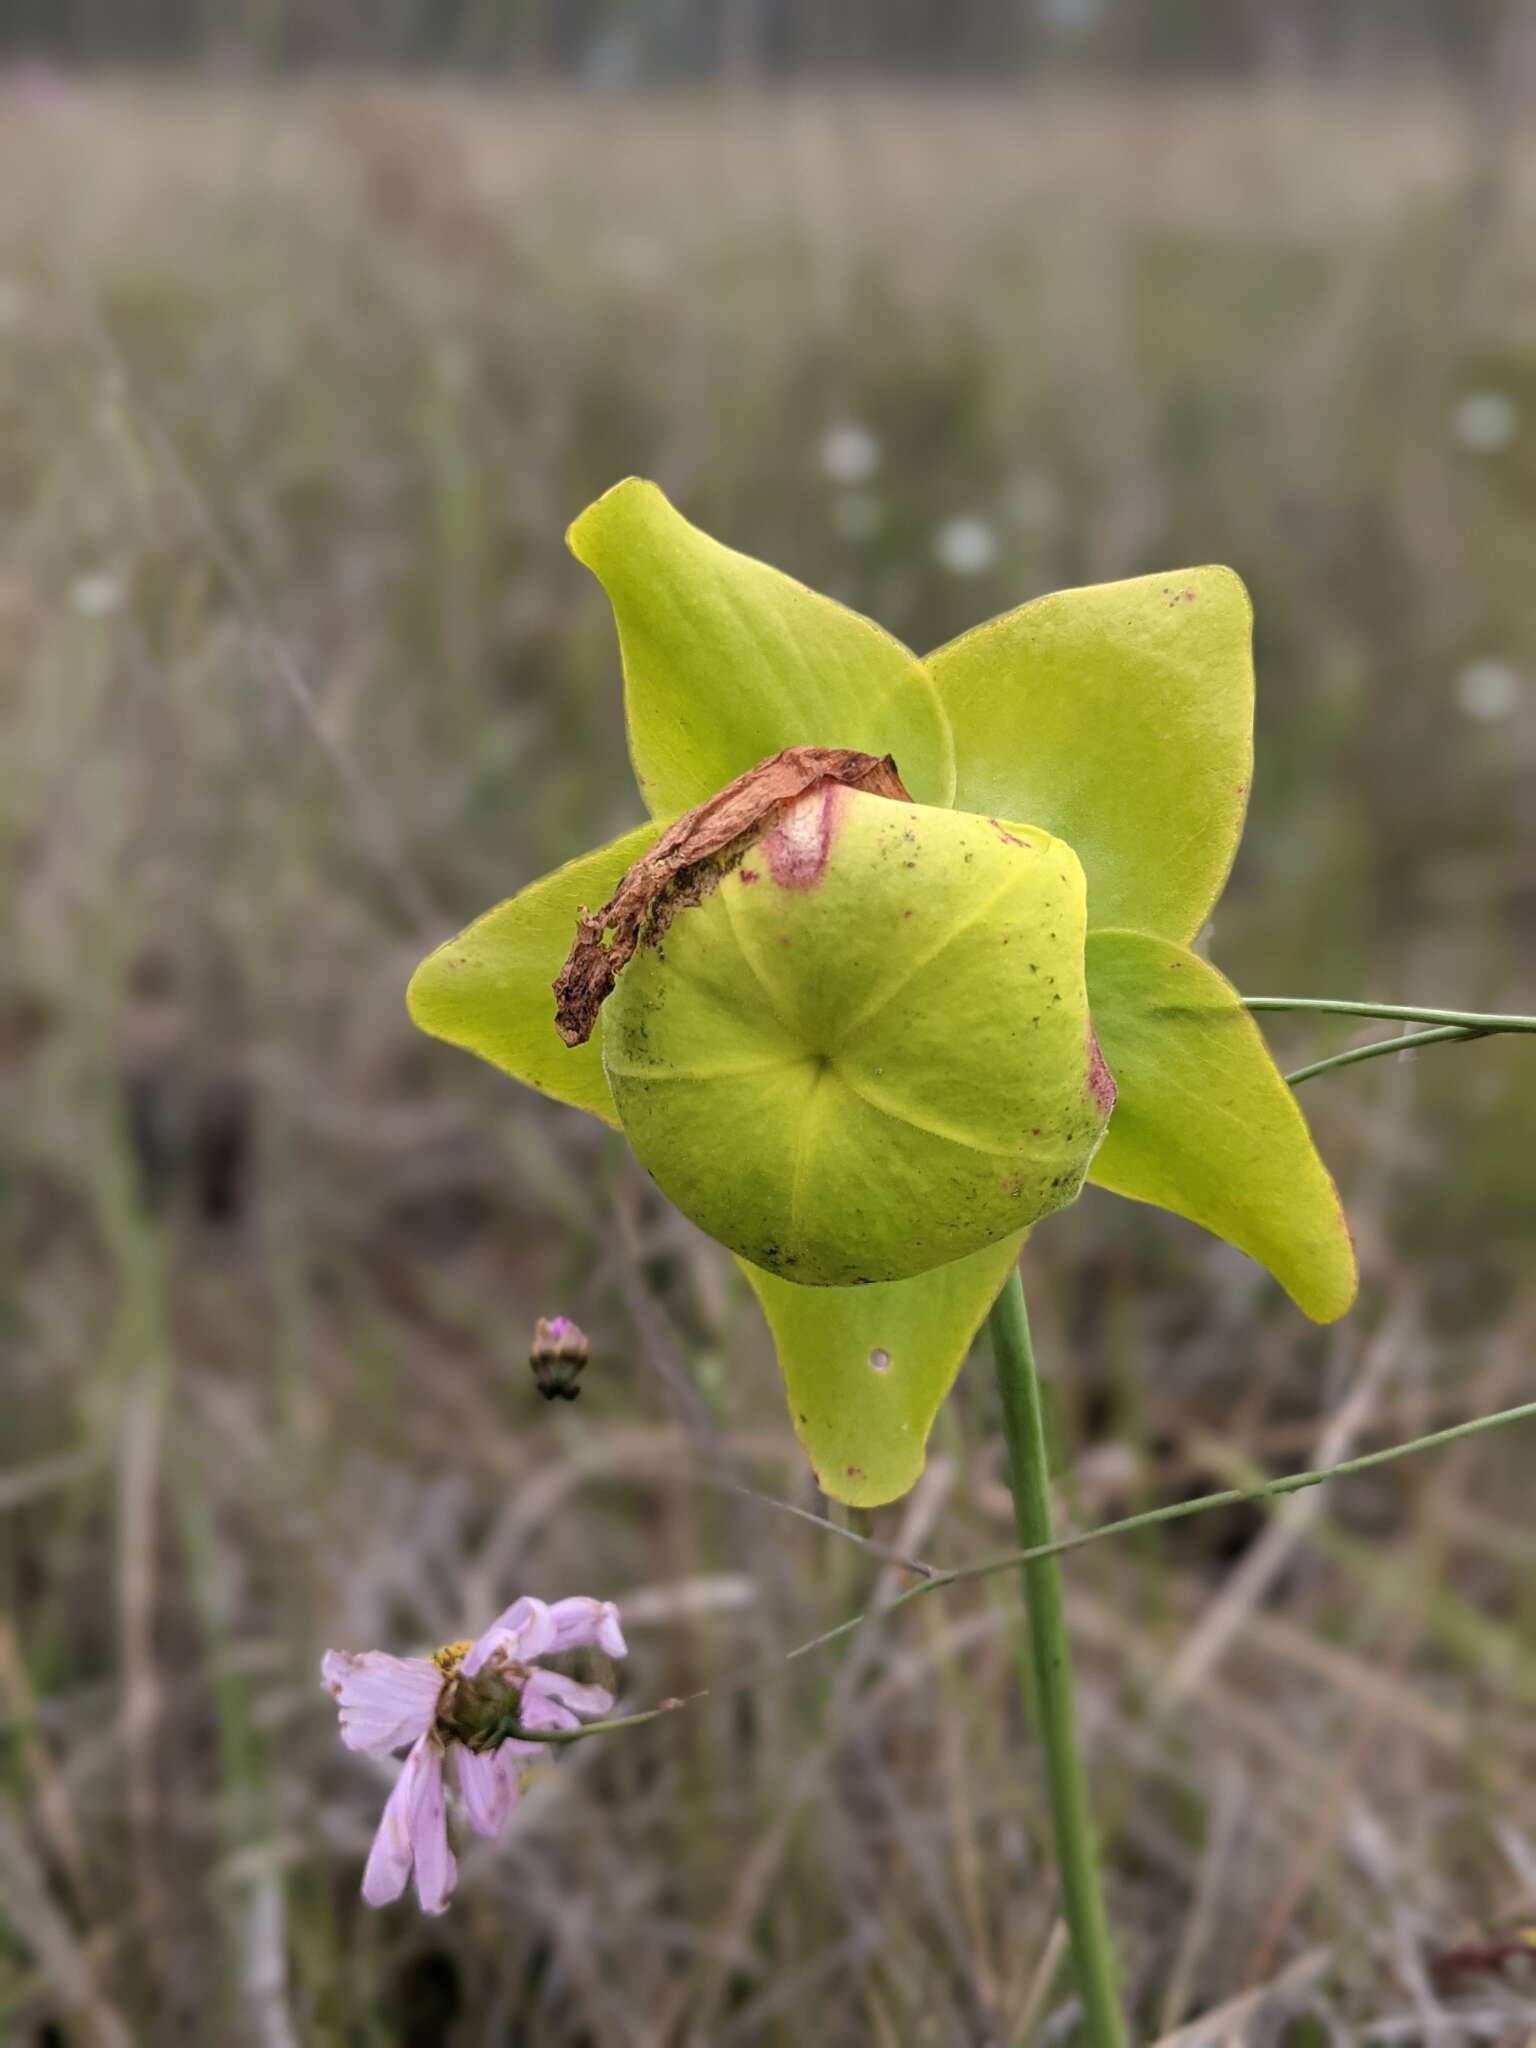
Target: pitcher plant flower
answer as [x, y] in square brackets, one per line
[903, 956]
[453, 1708]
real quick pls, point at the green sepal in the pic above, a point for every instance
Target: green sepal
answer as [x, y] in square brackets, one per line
[727, 661]
[488, 990]
[864, 1426]
[1119, 717]
[1204, 1123]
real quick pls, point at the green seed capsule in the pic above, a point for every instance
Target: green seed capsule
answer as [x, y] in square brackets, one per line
[857, 1046]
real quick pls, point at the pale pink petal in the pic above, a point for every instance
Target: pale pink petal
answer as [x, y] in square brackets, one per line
[385, 1701]
[520, 1634]
[579, 1622]
[436, 1870]
[488, 1786]
[389, 1860]
[498, 1646]
[591, 1701]
[529, 1622]
[541, 1705]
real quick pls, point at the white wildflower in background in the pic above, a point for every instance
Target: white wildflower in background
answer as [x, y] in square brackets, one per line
[966, 546]
[1489, 690]
[1485, 421]
[94, 597]
[443, 1706]
[850, 453]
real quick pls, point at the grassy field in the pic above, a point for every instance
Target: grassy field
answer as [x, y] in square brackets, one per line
[297, 393]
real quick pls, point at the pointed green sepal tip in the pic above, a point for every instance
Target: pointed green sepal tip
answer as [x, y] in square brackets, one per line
[1205, 1124]
[1119, 717]
[866, 1368]
[489, 990]
[727, 660]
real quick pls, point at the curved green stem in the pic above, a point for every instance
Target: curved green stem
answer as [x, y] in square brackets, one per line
[510, 1729]
[1442, 1035]
[1403, 1013]
[1082, 1895]
[1450, 1024]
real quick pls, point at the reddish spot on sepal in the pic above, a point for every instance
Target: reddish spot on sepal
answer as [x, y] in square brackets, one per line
[797, 847]
[1101, 1082]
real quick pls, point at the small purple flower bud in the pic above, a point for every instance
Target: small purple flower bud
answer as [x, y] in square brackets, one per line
[558, 1353]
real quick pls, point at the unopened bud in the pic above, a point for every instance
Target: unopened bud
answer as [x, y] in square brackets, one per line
[558, 1353]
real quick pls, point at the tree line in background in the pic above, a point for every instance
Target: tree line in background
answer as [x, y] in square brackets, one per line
[625, 41]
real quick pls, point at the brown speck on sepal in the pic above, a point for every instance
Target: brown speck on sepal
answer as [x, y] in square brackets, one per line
[725, 823]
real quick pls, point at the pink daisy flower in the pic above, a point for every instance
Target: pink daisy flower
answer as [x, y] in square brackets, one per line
[446, 1707]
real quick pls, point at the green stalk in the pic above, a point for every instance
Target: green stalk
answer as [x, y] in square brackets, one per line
[1403, 1013]
[1082, 1896]
[1443, 1034]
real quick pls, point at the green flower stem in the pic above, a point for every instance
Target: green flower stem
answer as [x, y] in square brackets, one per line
[1076, 1855]
[1450, 1025]
[1403, 1013]
[1443, 1034]
[510, 1729]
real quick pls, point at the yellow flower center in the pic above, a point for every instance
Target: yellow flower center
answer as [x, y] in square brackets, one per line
[451, 1655]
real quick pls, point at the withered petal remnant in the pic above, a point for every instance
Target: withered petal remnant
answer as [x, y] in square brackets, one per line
[724, 823]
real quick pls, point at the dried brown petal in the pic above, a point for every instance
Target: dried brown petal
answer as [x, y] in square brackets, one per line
[704, 838]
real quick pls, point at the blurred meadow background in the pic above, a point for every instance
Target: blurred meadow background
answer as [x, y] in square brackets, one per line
[316, 328]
